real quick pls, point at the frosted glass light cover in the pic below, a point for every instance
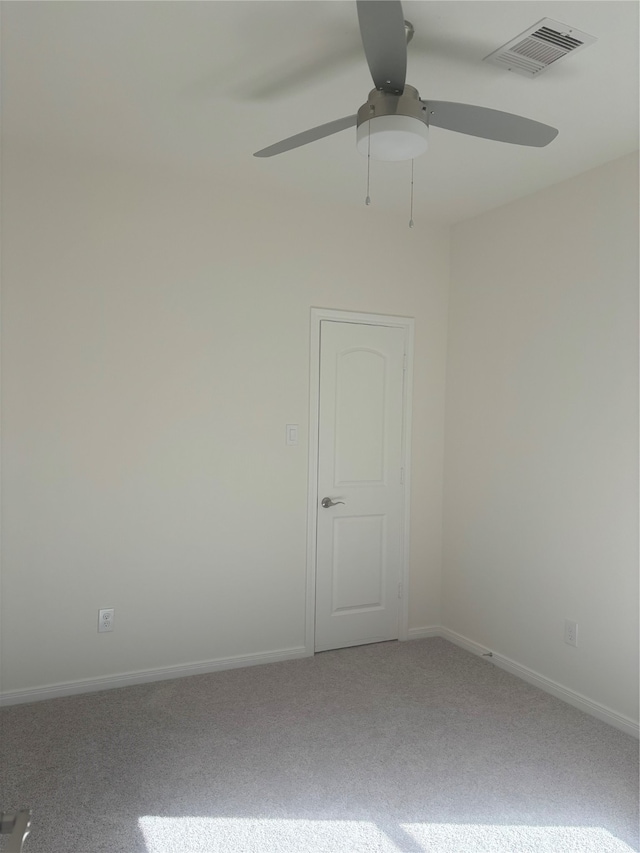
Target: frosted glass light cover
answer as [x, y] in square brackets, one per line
[394, 137]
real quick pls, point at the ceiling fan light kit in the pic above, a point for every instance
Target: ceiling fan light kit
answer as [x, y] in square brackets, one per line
[393, 127]
[394, 122]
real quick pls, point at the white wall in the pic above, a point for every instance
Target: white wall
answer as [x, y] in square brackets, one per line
[155, 344]
[541, 449]
[155, 336]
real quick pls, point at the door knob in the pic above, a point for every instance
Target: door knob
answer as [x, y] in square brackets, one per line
[327, 502]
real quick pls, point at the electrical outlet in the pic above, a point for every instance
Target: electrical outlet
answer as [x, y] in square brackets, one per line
[570, 632]
[105, 620]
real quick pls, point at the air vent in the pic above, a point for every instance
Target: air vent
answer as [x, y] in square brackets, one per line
[543, 44]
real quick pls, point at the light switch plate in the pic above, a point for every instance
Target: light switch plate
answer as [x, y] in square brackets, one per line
[292, 434]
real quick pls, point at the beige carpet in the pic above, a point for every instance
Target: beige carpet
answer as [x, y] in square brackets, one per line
[415, 747]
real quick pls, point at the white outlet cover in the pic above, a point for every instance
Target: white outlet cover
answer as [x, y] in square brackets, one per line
[105, 620]
[570, 632]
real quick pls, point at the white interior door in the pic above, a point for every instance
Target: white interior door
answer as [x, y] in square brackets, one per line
[360, 455]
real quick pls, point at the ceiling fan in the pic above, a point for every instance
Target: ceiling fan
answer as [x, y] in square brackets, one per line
[394, 123]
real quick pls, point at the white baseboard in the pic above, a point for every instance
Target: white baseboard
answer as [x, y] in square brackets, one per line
[423, 633]
[464, 642]
[602, 712]
[91, 685]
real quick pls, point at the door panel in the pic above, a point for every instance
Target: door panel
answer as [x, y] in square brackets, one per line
[360, 421]
[358, 563]
[359, 542]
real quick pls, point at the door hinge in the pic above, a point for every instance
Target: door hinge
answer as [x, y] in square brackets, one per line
[404, 363]
[400, 590]
[402, 476]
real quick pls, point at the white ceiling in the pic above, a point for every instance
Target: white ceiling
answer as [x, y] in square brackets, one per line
[199, 86]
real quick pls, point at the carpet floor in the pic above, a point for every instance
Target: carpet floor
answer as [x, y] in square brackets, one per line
[419, 747]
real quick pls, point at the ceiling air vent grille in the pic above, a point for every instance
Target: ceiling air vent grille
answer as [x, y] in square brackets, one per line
[534, 50]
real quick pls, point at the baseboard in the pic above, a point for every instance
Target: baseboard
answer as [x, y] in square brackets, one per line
[423, 633]
[583, 703]
[92, 685]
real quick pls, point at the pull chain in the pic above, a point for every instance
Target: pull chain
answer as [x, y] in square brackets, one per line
[411, 213]
[368, 198]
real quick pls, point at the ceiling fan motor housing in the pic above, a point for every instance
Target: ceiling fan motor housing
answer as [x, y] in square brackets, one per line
[393, 127]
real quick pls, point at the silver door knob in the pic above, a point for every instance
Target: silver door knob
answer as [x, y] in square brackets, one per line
[327, 502]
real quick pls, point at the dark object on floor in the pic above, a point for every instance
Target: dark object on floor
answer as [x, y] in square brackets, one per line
[17, 825]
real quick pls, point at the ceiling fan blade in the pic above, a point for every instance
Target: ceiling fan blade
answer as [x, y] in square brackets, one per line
[308, 136]
[385, 42]
[489, 124]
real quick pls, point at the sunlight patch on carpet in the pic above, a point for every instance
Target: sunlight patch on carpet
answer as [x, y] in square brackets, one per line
[262, 835]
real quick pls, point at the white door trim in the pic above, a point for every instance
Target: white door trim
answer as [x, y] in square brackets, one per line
[406, 323]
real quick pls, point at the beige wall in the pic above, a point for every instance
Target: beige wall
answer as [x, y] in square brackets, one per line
[541, 449]
[155, 344]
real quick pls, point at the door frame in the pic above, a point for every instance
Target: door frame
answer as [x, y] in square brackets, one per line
[406, 323]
